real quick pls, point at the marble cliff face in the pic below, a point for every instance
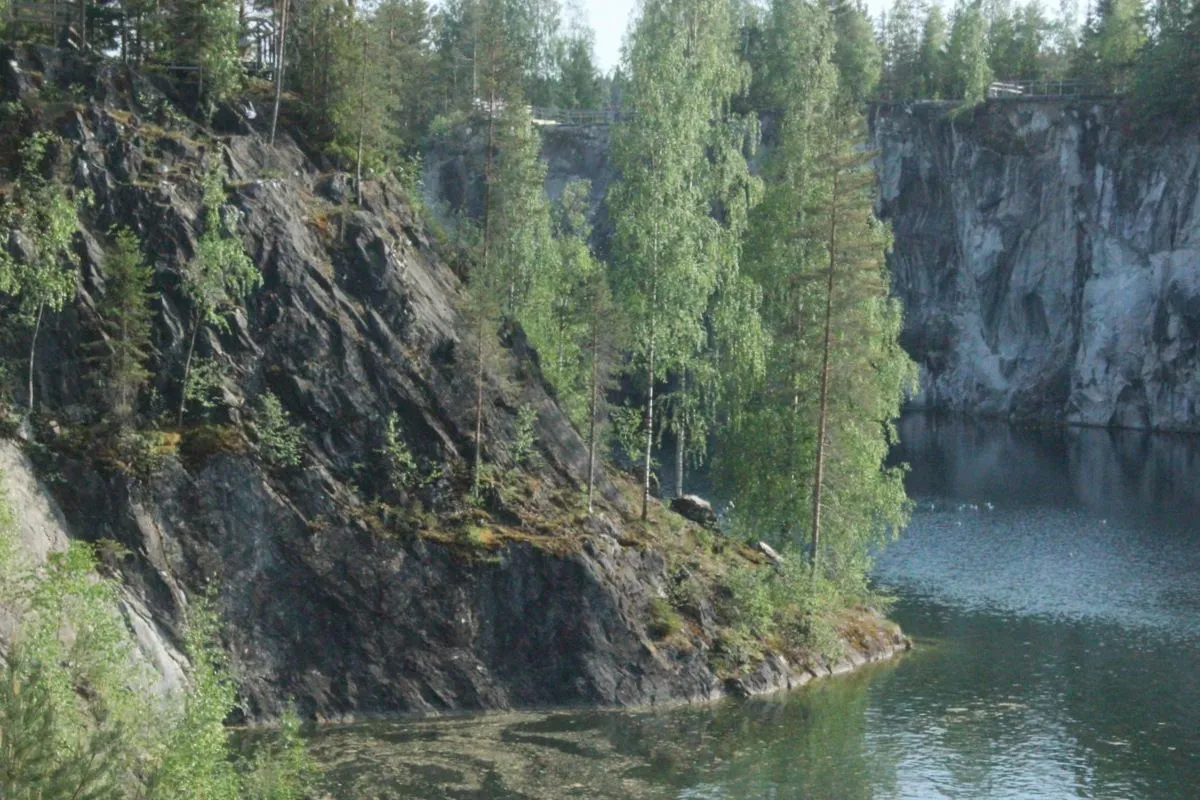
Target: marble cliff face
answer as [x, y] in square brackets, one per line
[1049, 261]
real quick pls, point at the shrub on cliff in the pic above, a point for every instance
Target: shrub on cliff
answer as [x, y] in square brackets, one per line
[79, 714]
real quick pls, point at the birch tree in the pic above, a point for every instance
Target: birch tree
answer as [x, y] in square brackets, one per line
[41, 217]
[683, 70]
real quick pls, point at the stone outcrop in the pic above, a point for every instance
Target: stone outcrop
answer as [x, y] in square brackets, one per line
[1048, 260]
[695, 508]
[336, 589]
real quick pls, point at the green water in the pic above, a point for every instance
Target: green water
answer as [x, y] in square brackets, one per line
[1052, 583]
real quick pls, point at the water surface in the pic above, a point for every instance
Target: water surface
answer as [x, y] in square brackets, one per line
[1052, 582]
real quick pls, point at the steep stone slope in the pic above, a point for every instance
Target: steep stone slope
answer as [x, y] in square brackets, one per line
[334, 590]
[1049, 261]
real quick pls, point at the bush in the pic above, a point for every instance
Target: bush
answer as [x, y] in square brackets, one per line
[524, 442]
[665, 621]
[749, 604]
[79, 716]
[398, 458]
[280, 441]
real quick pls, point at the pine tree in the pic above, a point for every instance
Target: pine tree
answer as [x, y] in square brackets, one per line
[804, 451]
[126, 320]
[863, 372]
[404, 30]
[43, 214]
[218, 276]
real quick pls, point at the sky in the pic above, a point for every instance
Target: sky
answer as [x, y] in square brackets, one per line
[610, 20]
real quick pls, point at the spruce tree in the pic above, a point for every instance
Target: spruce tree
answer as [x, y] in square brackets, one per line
[856, 53]
[126, 319]
[932, 58]
[903, 34]
[967, 69]
[1111, 43]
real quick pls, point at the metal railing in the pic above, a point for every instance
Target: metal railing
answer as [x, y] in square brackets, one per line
[1039, 90]
[576, 116]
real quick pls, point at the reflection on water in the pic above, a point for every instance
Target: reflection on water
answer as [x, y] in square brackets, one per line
[1053, 584]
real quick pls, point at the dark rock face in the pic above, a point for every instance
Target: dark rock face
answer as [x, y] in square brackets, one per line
[695, 508]
[331, 597]
[454, 166]
[1049, 262]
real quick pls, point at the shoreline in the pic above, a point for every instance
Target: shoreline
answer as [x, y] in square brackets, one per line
[775, 674]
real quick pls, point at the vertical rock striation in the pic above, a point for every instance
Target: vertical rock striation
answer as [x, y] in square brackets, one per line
[1049, 261]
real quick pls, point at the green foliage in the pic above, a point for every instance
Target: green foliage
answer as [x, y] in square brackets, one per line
[220, 274]
[782, 601]
[665, 621]
[523, 446]
[79, 713]
[818, 180]
[204, 388]
[628, 427]
[750, 605]
[1169, 72]
[217, 278]
[126, 319]
[45, 215]
[670, 254]
[401, 466]
[524, 254]
[1111, 44]
[280, 440]
[968, 71]
[282, 769]
[931, 64]
[206, 35]
[856, 53]
[902, 34]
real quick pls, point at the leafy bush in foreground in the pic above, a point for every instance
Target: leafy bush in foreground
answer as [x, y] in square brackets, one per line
[79, 714]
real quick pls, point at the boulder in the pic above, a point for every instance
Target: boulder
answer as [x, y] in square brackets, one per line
[770, 552]
[695, 508]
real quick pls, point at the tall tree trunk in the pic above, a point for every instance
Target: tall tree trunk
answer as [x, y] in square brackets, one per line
[37, 326]
[362, 116]
[187, 368]
[680, 437]
[279, 61]
[823, 413]
[595, 401]
[646, 474]
[479, 312]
